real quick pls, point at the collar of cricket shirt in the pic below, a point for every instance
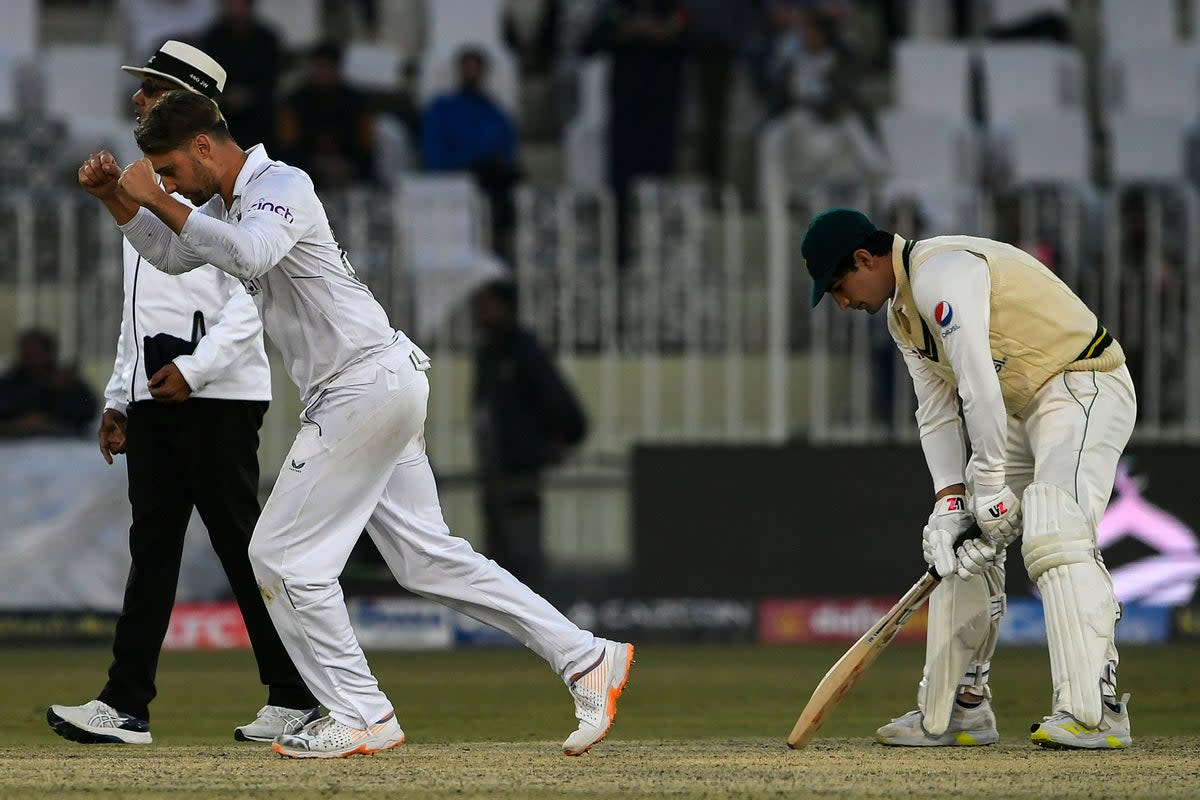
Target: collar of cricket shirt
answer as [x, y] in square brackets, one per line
[256, 160]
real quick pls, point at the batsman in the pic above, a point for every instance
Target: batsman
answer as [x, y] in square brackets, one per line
[1024, 405]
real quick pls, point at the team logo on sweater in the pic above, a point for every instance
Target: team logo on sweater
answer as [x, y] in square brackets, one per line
[943, 313]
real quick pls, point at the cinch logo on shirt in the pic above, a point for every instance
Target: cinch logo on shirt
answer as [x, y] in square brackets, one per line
[943, 313]
[283, 211]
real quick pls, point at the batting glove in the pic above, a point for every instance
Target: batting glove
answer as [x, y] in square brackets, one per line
[949, 519]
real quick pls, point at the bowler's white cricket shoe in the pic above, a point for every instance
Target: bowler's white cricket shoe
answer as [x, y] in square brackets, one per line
[97, 723]
[969, 727]
[273, 721]
[1062, 731]
[596, 691]
[328, 738]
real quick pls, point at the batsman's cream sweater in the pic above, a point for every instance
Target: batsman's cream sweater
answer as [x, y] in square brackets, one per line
[1038, 326]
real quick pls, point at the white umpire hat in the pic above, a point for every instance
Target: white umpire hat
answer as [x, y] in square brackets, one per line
[185, 66]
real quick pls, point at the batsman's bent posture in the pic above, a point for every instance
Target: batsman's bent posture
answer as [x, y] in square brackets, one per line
[1048, 406]
[359, 458]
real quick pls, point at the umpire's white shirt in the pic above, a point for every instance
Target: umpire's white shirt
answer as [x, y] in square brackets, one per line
[276, 238]
[229, 362]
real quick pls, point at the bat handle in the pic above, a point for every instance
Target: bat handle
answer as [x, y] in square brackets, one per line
[933, 573]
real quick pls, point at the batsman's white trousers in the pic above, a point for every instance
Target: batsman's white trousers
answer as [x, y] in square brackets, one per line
[1071, 435]
[359, 462]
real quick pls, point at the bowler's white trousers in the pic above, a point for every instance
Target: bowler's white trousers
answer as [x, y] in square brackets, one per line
[359, 462]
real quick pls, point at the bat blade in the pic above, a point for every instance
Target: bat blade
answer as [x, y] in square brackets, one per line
[842, 676]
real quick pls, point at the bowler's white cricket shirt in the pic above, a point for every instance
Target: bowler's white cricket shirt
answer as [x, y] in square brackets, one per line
[275, 238]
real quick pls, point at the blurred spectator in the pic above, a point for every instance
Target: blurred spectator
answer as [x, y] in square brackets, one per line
[526, 418]
[1048, 23]
[720, 33]
[252, 56]
[40, 397]
[468, 131]
[325, 126]
[819, 82]
[645, 38]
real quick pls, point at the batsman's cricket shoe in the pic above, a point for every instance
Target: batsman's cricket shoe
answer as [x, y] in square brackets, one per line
[274, 721]
[328, 738]
[1062, 731]
[97, 723]
[969, 727]
[596, 691]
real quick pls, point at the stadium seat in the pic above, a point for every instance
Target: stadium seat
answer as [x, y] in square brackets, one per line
[1147, 148]
[82, 102]
[934, 78]
[19, 34]
[934, 162]
[298, 22]
[452, 22]
[586, 138]
[1142, 23]
[928, 19]
[443, 223]
[1020, 78]
[1006, 12]
[1157, 80]
[8, 86]
[376, 67]
[1050, 149]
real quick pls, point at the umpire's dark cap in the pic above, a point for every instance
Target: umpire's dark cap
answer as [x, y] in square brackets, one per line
[831, 236]
[186, 67]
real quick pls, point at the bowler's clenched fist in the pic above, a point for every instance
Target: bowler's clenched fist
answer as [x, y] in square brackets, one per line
[140, 183]
[99, 174]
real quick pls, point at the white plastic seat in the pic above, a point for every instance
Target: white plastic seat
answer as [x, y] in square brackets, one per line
[373, 66]
[586, 137]
[926, 149]
[928, 19]
[1156, 80]
[443, 219]
[298, 22]
[1147, 148]
[1006, 12]
[452, 22]
[1138, 23]
[1050, 149]
[81, 84]
[1019, 78]
[934, 78]
[20, 31]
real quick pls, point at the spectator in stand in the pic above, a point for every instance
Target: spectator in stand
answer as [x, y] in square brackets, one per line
[721, 34]
[818, 77]
[526, 418]
[326, 127]
[468, 131]
[646, 40]
[252, 56]
[39, 396]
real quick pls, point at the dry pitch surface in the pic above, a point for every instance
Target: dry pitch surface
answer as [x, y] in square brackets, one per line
[696, 722]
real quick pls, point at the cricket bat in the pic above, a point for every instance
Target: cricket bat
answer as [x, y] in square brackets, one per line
[849, 668]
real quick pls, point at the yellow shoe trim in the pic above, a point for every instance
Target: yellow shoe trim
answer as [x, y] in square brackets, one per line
[1115, 743]
[1040, 735]
[965, 739]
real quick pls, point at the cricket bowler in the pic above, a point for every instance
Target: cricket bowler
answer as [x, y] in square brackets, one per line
[1047, 406]
[359, 458]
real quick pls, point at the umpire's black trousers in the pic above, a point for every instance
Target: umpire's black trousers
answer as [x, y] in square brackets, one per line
[201, 453]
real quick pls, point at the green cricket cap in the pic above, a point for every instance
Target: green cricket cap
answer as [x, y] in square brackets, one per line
[831, 236]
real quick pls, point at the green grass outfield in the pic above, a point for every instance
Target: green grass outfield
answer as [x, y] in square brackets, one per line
[694, 722]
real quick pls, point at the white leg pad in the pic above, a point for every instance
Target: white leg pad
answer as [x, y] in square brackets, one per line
[964, 622]
[1077, 597]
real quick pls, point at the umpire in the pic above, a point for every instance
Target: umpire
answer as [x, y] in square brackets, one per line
[187, 396]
